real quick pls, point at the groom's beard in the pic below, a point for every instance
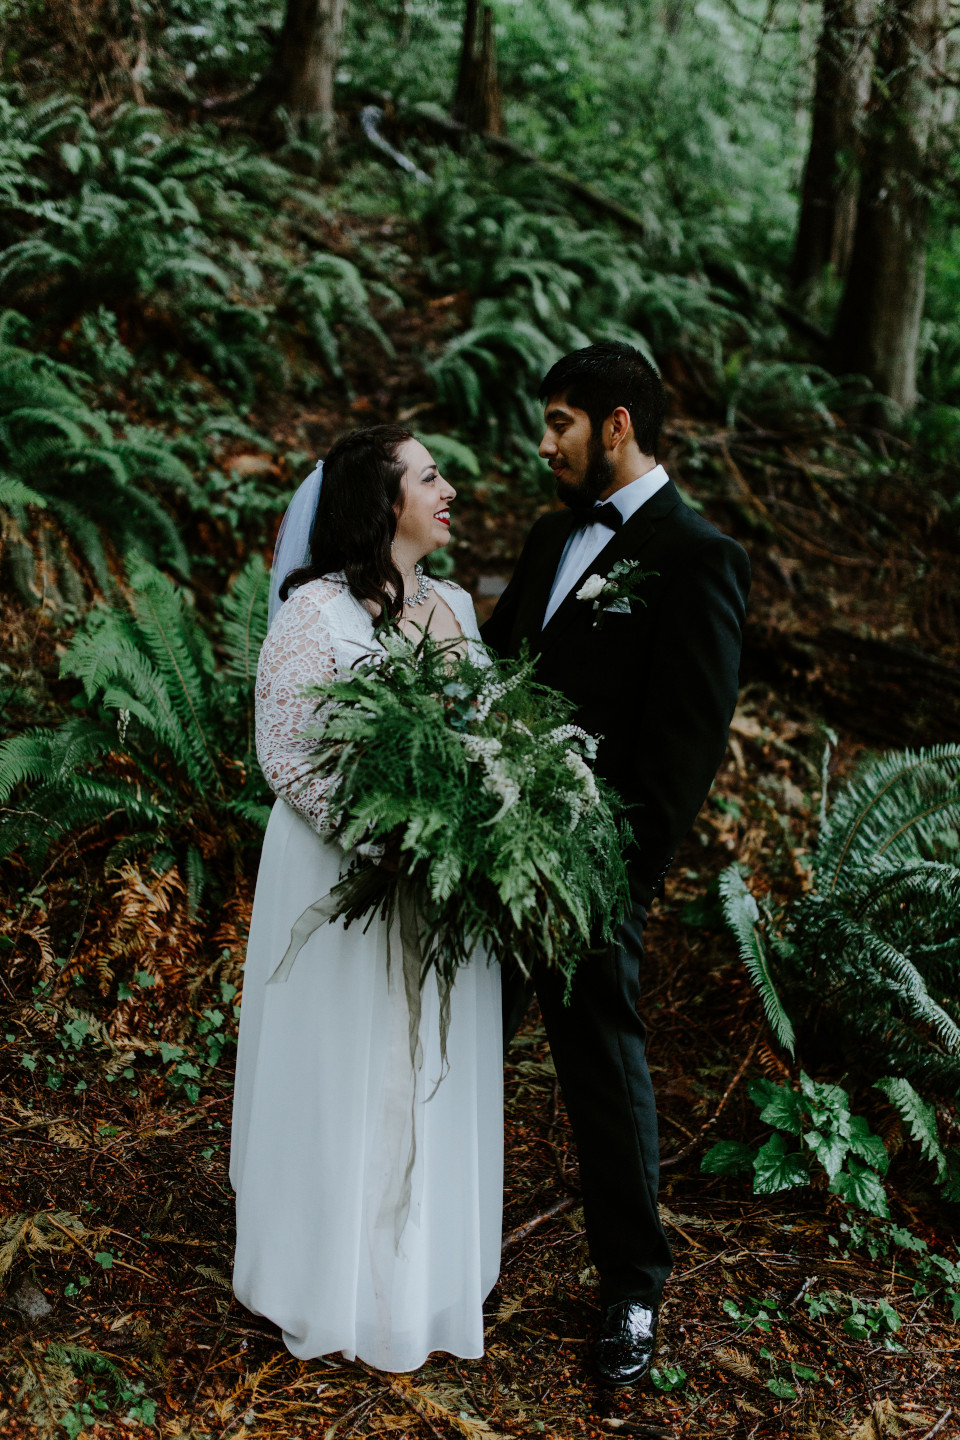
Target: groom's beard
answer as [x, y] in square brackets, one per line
[597, 478]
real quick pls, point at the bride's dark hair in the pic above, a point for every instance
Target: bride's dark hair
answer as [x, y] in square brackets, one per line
[355, 521]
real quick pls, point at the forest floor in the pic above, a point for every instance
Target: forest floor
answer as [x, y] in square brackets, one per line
[120, 1252]
[129, 1256]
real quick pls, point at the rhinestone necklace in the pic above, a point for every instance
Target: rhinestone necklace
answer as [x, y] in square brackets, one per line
[423, 588]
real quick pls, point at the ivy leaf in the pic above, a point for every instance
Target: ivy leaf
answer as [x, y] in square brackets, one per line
[862, 1187]
[783, 1110]
[669, 1377]
[830, 1150]
[727, 1157]
[868, 1146]
[782, 1388]
[762, 1091]
[906, 1239]
[774, 1169]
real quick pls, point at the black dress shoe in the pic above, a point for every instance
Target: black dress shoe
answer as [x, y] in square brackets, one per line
[624, 1349]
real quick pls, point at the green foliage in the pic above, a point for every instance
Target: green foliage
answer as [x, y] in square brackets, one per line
[475, 775]
[742, 914]
[160, 760]
[210, 43]
[935, 1274]
[540, 286]
[129, 212]
[816, 1116]
[95, 474]
[870, 953]
[845, 1152]
[921, 1121]
[330, 294]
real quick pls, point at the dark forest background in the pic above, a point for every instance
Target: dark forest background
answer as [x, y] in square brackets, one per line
[228, 232]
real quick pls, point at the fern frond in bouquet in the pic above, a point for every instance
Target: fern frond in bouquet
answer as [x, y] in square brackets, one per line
[469, 807]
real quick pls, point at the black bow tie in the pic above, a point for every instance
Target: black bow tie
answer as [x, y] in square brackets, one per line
[607, 514]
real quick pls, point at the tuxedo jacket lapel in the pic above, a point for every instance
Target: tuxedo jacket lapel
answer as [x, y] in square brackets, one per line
[624, 544]
[558, 527]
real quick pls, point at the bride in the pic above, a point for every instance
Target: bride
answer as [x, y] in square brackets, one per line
[369, 1195]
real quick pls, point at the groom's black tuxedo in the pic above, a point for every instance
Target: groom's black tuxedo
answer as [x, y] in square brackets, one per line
[659, 685]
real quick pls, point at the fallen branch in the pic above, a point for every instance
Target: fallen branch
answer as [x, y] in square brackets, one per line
[522, 1231]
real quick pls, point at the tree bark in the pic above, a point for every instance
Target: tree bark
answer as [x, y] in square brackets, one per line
[830, 181]
[477, 100]
[301, 74]
[878, 323]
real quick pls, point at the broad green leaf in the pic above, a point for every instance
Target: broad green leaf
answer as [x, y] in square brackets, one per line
[868, 1146]
[862, 1187]
[774, 1169]
[782, 1388]
[830, 1150]
[727, 1157]
[783, 1110]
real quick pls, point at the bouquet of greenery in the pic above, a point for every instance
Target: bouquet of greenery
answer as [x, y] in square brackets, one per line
[469, 805]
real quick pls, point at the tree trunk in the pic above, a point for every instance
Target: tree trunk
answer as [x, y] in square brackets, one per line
[301, 74]
[878, 323]
[842, 87]
[477, 102]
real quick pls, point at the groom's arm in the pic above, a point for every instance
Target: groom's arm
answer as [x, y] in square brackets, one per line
[689, 693]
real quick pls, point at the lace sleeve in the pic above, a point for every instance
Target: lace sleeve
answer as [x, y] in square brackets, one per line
[298, 652]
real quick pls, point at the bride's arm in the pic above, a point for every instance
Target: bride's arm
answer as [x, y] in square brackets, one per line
[298, 652]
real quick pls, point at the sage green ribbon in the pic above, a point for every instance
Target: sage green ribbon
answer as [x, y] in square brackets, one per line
[360, 894]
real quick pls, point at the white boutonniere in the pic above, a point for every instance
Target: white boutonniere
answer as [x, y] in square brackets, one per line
[615, 593]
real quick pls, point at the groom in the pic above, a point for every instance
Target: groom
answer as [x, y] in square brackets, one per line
[657, 679]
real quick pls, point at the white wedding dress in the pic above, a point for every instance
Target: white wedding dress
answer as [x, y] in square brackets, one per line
[327, 1102]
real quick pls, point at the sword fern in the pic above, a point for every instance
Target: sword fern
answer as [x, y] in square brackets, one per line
[162, 761]
[872, 953]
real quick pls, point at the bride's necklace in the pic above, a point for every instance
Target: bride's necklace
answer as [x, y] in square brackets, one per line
[423, 588]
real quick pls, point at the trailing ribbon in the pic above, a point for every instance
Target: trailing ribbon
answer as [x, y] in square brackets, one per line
[367, 892]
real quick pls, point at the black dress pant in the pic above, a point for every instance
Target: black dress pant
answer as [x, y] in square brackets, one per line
[598, 1043]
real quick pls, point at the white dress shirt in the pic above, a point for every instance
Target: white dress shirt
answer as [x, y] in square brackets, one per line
[585, 544]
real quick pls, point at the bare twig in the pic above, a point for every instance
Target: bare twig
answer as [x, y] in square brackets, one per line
[671, 1160]
[522, 1231]
[938, 1427]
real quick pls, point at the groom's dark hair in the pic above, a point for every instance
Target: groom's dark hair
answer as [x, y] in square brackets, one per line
[604, 376]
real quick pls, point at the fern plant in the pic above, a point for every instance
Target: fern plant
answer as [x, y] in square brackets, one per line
[94, 475]
[872, 953]
[331, 295]
[542, 285]
[161, 758]
[128, 212]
